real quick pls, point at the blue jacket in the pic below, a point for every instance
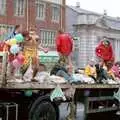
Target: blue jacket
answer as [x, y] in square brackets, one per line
[11, 35]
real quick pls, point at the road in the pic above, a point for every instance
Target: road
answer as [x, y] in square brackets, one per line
[64, 111]
[80, 114]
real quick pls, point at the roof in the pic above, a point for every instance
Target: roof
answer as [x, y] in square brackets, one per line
[110, 22]
[83, 11]
[113, 24]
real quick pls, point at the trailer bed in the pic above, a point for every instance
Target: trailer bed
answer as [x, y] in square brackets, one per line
[38, 86]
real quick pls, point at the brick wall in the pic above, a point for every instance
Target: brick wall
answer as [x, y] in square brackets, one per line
[10, 19]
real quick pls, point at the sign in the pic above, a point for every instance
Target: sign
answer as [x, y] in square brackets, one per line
[57, 93]
[50, 57]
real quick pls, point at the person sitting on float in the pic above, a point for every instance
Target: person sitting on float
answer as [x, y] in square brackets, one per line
[116, 70]
[90, 69]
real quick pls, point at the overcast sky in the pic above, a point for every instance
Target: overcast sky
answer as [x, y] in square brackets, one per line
[112, 6]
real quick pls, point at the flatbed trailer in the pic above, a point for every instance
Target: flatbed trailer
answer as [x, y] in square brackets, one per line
[32, 99]
[91, 95]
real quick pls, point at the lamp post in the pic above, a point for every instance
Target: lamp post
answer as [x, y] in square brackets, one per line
[27, 21]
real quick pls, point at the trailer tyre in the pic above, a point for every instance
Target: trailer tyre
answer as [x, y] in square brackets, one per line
[43, 109]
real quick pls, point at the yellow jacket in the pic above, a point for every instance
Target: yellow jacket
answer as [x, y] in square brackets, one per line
[89, 70]
[110, 73]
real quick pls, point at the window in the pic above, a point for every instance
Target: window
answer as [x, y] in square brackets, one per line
[55, 1]
[40, 8]
[55, 13]
[8, 28]
[47, 37]
[19, 7]
[2, 7]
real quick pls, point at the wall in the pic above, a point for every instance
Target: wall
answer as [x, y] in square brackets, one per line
[90, 36]
[47, 24]
[11, 19]
[71, 19]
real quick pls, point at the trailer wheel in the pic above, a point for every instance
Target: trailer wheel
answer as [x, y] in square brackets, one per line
[44, 109]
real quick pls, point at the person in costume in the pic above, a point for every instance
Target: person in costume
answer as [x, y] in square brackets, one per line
[64, 45]
[105, 51]
[30, 49]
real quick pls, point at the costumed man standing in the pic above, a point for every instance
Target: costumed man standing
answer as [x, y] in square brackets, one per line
[64, 45]
[105, 51]
[30, 50]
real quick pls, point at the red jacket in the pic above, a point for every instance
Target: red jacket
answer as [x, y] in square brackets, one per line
[64, 44]
[106, 53]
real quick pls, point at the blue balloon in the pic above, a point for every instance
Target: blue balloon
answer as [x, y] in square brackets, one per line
[15, 49]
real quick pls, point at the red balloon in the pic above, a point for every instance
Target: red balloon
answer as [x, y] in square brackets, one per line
[16, 63]
[21, 58]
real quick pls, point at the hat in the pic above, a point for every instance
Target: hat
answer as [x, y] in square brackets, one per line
[106, 42]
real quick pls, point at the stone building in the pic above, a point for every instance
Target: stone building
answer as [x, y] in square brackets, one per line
[90, 27]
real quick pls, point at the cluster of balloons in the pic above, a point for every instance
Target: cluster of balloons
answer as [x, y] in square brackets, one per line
[17, 39]
[18, 61]
[15, 49]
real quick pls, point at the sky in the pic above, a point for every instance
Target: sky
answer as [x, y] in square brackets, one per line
[111, 6]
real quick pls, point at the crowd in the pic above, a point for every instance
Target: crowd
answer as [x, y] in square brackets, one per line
[23, 61]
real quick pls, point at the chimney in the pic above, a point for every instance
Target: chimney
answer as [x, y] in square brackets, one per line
[77, 4]
[118, 18]
[105, 12]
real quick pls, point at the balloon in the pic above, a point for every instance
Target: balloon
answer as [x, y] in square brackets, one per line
[21, 58]
[19, 38]
[15, 49]
[11, 42]
[16, 63]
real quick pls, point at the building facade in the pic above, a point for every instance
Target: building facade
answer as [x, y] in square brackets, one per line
[90, 28]
[47, 15]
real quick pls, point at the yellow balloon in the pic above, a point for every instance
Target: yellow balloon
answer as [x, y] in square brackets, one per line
[11, 42]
